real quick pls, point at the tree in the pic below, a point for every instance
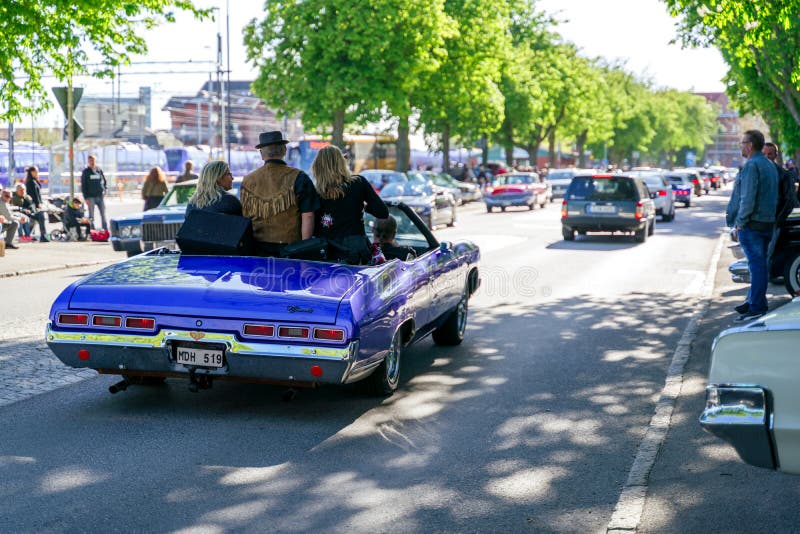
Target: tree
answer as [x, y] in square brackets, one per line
[52, 36]
[338, 63]
[462, 98]
[760, 42]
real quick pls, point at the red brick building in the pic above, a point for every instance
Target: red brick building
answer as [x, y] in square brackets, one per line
[725, 149]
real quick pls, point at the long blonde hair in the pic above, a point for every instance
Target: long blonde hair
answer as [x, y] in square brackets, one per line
[208, 191]
[330, 172]
[155, 175]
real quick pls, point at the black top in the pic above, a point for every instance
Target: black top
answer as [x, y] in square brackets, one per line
[226, 203]
[786, 196]
[400, 252]
[34, 189]
[93, 182]
[344, 216]
[307, 197]
[72, 215]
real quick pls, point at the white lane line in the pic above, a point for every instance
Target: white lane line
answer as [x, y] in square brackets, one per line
[629, 508]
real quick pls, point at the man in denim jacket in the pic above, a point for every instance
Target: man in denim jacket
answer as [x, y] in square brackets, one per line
[751, 214]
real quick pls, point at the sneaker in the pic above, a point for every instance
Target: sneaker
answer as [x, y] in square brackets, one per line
[749, 316]
[11, 246]
[742, 308]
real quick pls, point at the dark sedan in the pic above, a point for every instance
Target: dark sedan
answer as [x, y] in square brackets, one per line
[434, 205]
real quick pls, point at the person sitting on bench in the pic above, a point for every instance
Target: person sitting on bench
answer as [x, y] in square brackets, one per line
[383, 233]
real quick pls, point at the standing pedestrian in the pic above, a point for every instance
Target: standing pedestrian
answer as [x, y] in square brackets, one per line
[280, 200]
[751, 214]
[787, 200]
[93, 187]
[33, 187]
[187, 172]
[155, 188]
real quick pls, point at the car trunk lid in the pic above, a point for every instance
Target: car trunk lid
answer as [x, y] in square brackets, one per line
[220, 286]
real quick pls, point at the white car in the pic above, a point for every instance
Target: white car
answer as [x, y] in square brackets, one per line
[752, 396]
[661, 192]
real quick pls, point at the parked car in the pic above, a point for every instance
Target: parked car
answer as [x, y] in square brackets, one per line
[462, 191]
[785, 258]
[419, 177]
[561, 178]
[137, 232]
[527, 189]
[272, 320]
[661, 192]
[682, 186]
[433, 204]
[752, 398]
[380, 177]
[608, 203]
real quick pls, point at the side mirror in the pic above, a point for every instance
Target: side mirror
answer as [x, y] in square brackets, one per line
[446, 246]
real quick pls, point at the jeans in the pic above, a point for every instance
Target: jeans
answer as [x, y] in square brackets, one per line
[755, 245]
[91, 202]
[771, 252]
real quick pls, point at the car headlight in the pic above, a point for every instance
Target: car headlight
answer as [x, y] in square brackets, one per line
[124, 231]
[136, 231]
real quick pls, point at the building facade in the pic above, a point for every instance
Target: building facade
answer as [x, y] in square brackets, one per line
[725, 149]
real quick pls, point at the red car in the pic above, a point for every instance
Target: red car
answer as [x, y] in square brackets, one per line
[518, 189]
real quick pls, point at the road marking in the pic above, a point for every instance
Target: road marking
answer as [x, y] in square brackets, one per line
[630, 506]
[695, 287]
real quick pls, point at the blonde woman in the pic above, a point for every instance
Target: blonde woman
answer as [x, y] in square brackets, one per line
[155, 188]
[212, 191]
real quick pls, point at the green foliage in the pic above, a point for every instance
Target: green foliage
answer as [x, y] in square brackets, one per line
[57, 36]
[760, 42]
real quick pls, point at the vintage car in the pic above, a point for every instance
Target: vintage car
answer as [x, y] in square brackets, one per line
[752, 398]
[461, 191]
[262, 319]
[136, 232]
[434, 205]
[785, 259]
[518, 189]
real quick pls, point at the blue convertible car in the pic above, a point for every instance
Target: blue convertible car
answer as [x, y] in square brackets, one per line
[274, 320]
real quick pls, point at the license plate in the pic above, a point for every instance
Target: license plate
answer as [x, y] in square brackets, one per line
[602, 209]
[505, 203]
[199, 357]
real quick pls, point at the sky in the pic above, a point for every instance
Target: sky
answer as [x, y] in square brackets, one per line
[637, 31]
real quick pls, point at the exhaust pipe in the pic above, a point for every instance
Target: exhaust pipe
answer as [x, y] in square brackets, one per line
[122, 385]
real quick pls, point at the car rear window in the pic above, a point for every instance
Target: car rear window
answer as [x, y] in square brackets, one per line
[653, 182]
[678, 179]
[587, 188]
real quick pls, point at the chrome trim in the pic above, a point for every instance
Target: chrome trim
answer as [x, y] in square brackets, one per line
[160, 340]
[738, 413]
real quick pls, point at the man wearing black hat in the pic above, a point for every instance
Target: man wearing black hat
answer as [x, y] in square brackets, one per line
[280, 199]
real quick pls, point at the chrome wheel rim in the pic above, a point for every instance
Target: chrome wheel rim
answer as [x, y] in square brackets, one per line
[461, 316]
[393, 361]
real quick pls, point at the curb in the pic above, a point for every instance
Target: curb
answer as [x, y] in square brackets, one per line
[59, 267]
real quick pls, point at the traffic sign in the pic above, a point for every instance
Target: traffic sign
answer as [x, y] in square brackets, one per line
[77, 129]
[61, 97]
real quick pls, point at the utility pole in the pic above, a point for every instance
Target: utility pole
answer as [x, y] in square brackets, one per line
[71, 137]
[228, 93]
[219, 94]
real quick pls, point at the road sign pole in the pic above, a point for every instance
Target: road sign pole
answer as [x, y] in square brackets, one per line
[71, 138]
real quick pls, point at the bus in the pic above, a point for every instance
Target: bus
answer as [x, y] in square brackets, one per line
[364, 151]
[241, 161]
[25, 155]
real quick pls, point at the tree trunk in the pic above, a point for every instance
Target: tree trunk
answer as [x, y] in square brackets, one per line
[403, 146]
[508, 141]
[446, 148]
[485, 150]
[551, 140]
[338, 129]
[581, 142]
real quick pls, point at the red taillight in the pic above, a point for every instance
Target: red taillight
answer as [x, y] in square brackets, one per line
[264, 330]
[83, 355]
[563, 209]
[639, 210]
[73, 318]
[140, 323]
[293, 331]
[316, 370]
[107, 320]
[695, 181]
[329, 334]
[662, 193]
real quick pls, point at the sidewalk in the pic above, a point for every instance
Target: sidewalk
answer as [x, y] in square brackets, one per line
[40, 257]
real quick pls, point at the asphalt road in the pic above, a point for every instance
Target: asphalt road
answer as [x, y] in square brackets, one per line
[531, 425]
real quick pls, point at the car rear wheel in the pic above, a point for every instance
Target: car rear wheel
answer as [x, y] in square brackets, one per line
[791, 275]
[651, 228]
[383, 381]
[451, 332]
[502, 208]
[668, 217]
[488, 209]
[569, 235]
[531, 206]
[640, 236]
[452, 217]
